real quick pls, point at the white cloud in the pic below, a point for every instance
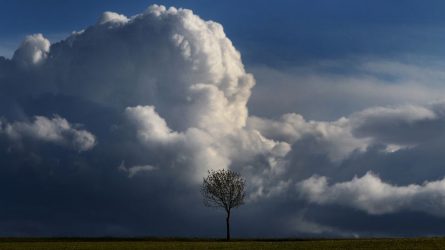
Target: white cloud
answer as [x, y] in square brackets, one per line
[201, 149]
[196, 115]
[56, 130]
[396, 127]
[370, 194]
[333, 138]
[407, 113]
[33, 50]
[151, 127]
[178, 63]
[112, 17]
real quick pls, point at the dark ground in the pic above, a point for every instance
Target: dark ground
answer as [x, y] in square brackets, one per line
[175, 243]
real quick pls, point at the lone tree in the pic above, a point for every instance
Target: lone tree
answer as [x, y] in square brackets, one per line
[225, 189]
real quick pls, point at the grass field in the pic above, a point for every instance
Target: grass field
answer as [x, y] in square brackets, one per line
[135, 244]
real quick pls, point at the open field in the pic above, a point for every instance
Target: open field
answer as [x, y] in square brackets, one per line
[159, 244]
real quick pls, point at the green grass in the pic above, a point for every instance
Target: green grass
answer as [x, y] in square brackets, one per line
[160, 244]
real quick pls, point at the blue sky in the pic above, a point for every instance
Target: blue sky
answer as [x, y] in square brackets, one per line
[333, 111]
[266, 33]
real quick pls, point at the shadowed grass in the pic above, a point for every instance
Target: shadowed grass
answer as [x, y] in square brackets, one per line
[160, 243]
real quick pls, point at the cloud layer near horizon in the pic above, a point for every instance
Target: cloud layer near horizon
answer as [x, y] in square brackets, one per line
[112, 129]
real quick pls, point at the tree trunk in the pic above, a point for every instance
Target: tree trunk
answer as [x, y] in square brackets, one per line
[228, 225]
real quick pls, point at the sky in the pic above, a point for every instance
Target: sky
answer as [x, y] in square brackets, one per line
[111, 114]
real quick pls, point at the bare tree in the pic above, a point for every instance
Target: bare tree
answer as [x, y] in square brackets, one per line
[225, 189]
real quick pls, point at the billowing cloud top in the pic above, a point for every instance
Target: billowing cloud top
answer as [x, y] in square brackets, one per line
[33, 50]
[126, 116]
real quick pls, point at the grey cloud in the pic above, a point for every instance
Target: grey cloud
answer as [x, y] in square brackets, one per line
[56, 130]
[133, 170]
[404, 125]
